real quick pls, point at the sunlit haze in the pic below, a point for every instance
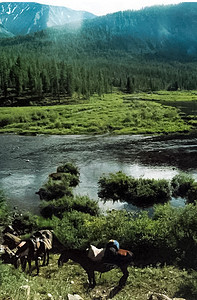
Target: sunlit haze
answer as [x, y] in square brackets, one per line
[102, 7]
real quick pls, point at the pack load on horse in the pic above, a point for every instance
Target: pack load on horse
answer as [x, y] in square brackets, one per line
[37, 247]
[106, 254]
[34, 248]
[95, 254]
[111, 250]
[9, 245]
[101, 260]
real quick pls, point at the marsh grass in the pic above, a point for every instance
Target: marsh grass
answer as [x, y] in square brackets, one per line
[167, 96]
[112, 113]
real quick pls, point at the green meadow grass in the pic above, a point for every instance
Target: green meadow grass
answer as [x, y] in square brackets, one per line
[55, 283]
[108, 114]
[167, 96]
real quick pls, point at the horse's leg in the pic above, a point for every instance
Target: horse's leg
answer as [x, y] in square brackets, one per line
[23, 263]
[123, 279]
[47, 254]
[44, 259]
[29, 263]
[60, 261]
[91, 278]
[36, 263]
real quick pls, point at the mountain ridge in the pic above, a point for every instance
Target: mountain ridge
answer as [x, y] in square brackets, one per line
[168, 31]
[21, 18]
[154, 28]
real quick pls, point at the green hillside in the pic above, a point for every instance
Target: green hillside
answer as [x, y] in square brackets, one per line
[146, 50]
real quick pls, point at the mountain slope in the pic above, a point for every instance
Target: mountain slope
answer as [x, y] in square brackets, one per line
[168, 32]
[27, 17]
[168, 29]
[4, 33]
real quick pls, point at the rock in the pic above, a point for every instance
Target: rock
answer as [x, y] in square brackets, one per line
[74, 297]
[158, 296]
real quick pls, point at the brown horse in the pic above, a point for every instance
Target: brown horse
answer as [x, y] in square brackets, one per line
[122, 260]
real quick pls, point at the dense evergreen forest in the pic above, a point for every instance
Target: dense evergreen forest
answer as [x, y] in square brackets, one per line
[96, 57]
[37, 76]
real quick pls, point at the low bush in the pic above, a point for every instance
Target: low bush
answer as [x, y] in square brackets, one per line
[71, 229]
[59, 206]
[24, 223]
[178, 231]
[169, 237]
[181, 184]
[55, 190]
[192, 193]
[68, 168]
[140, 192]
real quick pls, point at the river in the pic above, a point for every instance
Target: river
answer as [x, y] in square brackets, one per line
[26, 162]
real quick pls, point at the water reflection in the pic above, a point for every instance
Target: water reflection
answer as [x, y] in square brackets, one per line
[187, 107]
[26, 162]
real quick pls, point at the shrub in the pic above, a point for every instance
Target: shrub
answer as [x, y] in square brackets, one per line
[68, 168]
[192, 193]
[72, 179]
[55, 190]
[114, 186]
[71, 229]
[177, 228]
[58, 207]
[25, 223]
[181, 184]
[139, 192]
[86, 205]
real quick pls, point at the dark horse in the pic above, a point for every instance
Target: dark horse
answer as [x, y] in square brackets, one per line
[122, 260]
[29, 250]
[36, 247]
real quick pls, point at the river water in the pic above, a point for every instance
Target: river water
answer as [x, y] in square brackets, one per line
[26, 162]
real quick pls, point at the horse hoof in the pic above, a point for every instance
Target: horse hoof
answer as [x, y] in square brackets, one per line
[115, 291]
[91, 286]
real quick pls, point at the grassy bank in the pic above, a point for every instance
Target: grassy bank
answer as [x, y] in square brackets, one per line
[112, 113]
[55, 283]
[167, 96]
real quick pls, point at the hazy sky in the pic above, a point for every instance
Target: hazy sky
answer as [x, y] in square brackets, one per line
[102, 7]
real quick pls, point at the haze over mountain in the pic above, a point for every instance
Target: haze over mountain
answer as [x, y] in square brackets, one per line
[164, 30]
[27, 17]
[168, 29]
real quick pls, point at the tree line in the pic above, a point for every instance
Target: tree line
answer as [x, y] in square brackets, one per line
[43, 67]
[27, 76]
